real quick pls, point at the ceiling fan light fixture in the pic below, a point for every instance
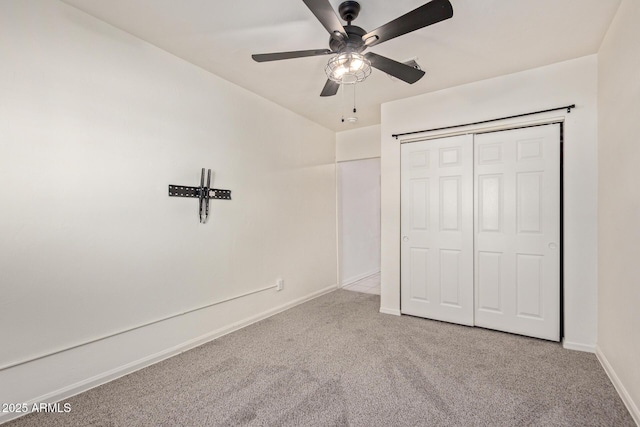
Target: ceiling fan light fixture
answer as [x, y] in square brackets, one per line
[348, 68]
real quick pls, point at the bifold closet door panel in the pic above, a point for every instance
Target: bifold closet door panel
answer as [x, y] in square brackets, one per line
[517, 224]
[437, 229]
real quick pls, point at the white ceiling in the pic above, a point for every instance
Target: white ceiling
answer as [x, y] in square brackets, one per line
[485, 38]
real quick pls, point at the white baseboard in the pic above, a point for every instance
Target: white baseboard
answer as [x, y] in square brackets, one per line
[105, 377]
[578, 347]
[622, 391]
[392, 311]
[347, 282]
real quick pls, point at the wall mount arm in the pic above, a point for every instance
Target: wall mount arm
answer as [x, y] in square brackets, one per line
[203, 193]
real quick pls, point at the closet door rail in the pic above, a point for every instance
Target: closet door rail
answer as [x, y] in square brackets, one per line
[567, 107]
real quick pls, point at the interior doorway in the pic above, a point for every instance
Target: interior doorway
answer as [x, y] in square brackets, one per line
[359, 225]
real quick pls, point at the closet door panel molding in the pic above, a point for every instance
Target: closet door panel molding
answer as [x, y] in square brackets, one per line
[437, 229]
[480, 230]
[526, 204]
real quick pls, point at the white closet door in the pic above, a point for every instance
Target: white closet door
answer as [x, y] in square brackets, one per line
[437, 229]
[517, 224]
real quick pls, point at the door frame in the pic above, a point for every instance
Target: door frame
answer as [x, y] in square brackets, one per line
[504, 127]
[339, 214]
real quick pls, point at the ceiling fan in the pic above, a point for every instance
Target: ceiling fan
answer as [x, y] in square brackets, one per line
[348, 42]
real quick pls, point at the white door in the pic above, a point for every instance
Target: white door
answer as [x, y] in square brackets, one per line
[437, 229]
[517, 224]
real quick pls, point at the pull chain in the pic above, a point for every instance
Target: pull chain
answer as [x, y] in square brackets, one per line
[342, 103]
[354, 99]
[351, 118]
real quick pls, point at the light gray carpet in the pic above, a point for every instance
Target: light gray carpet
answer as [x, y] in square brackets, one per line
[337, 361]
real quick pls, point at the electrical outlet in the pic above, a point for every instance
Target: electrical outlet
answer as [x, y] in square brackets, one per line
[279, 285]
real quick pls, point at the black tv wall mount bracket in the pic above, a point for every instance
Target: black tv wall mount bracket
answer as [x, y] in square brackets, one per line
[203, 193]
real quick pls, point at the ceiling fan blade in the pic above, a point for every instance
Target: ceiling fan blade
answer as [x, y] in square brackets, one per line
[327, 16]
[330, 88]
[264, 57]
[395, 68]
[427, 14]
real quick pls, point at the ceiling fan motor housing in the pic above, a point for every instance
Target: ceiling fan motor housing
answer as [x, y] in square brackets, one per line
[353, 43]
[349, 11]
